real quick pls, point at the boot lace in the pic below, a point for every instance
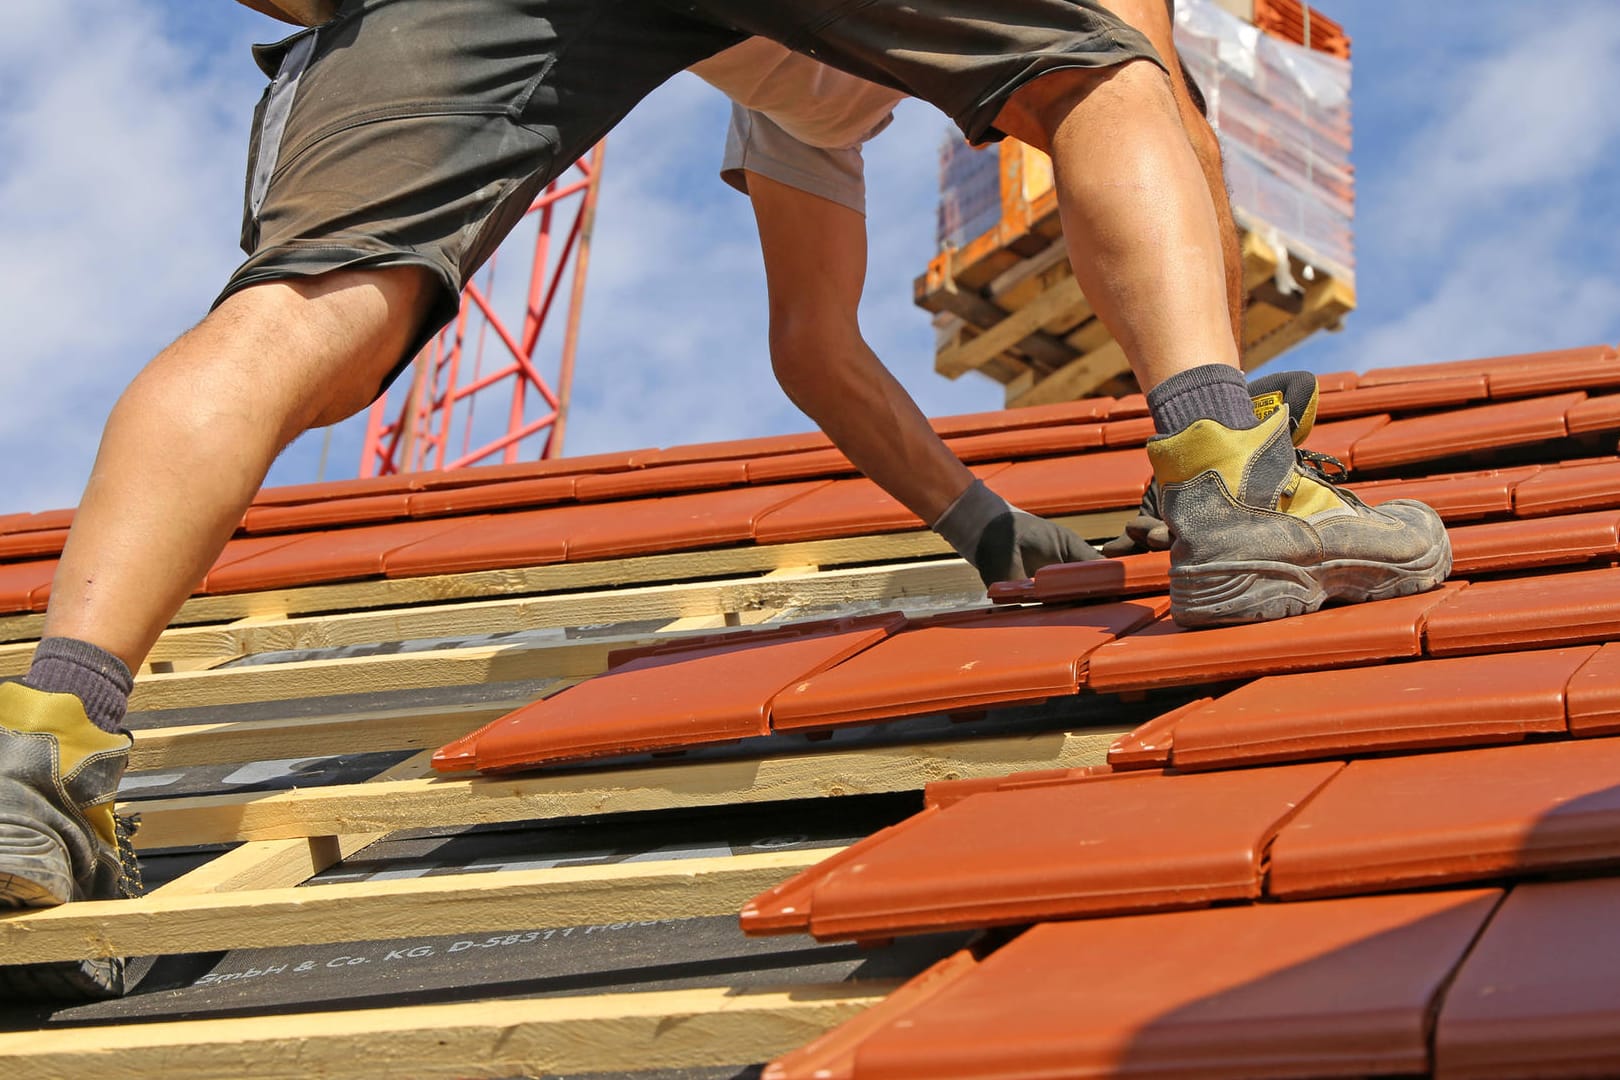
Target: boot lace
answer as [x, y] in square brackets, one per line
[1325, 467]
[130, 884]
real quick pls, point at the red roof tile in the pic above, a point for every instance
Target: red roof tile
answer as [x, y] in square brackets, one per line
[661, 480]
[1466, 701]
[1599, 369]
[1402, 397]
[1128, 575]
[736, 449]
[1486, 427]
[716, 694]
[1105, 480]
[654, 526]
[1026, 442]
[1523, 544]
[327, 513]
[1134, 432]
[19, 581]
[1574, 487]
[1333, 988]
[1487, 366]
[1455, 496]
[1064, 412]
[1338, 438]
[842, 508]
[506, 495]
[814, 464]
[1538, 995]
[1089, 847]
[338, 555]
[1594, 694]
[1149, 746]
[1166, 655]
[960, 662]
[33, 544]
[1594, 414]
[1531, 612]
[1431, 819]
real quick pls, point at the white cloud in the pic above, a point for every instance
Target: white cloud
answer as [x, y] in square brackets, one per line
[119, 188]
[1530, 117]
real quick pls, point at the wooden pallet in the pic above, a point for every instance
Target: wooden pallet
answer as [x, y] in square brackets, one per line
[257, 894]
[1007, 303]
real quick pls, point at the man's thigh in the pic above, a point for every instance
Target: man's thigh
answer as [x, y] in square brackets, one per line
[417, 132]
[966, 57]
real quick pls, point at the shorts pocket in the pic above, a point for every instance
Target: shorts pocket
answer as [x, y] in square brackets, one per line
[285, 62]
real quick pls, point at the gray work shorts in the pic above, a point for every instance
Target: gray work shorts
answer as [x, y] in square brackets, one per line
[417, 132]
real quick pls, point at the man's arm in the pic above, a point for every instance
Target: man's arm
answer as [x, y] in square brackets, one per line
[815, 269]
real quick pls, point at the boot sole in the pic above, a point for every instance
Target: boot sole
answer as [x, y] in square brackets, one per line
[34, 870]
[1249, 591]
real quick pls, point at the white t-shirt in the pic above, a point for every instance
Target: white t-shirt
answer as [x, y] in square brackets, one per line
[816, 104]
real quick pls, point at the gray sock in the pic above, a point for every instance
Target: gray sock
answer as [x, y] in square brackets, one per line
[1211, 392]
[90, 673]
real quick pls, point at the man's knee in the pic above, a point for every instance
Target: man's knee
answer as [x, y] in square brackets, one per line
[331, 339]
[1037, 109]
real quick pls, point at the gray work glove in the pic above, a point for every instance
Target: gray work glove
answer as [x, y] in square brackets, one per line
[1144, 532]
[1003, 542]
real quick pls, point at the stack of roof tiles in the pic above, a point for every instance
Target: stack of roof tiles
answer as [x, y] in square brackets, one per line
[1379, 839]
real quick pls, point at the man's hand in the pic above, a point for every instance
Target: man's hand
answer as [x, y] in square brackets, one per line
[1144, 532]
[1003, 542]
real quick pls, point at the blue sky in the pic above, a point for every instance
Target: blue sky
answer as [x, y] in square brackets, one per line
[1487, 142]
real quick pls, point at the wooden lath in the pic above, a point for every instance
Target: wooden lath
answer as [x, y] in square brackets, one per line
[255, 895]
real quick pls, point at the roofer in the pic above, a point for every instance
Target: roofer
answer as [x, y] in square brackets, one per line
[397, 144]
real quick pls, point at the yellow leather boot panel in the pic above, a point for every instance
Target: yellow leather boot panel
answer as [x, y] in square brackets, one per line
[24, 709]
[1204, 445]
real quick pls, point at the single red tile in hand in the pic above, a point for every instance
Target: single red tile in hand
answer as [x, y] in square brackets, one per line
[671, 701]
[1532, 612]
[1464, 701]
[1594, 694]
[337, 555]
[356, 510]
[1485, 366]
[1098, 579]
[1402, 397]
[1485, 427]
[1089, 847]
[1532, 542]
[1574, 487]
[1102, 480]
[661, 480]
[960, 662]
[1432, 819]
[506, 495]
[1166, 655]
[1332, 988]
[1149, 746]
[1457, 497]
[1538, 994]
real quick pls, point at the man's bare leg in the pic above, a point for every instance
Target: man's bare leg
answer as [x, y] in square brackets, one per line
[1137, 212]
[190, 441]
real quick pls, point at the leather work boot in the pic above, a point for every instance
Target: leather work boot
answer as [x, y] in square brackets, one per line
[1259, 536]
[59, 839]
[1296, 390]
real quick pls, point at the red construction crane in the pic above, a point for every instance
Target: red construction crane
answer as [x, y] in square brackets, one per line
[434, 405]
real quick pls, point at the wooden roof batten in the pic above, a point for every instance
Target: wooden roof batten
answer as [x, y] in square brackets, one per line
[307, 673]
